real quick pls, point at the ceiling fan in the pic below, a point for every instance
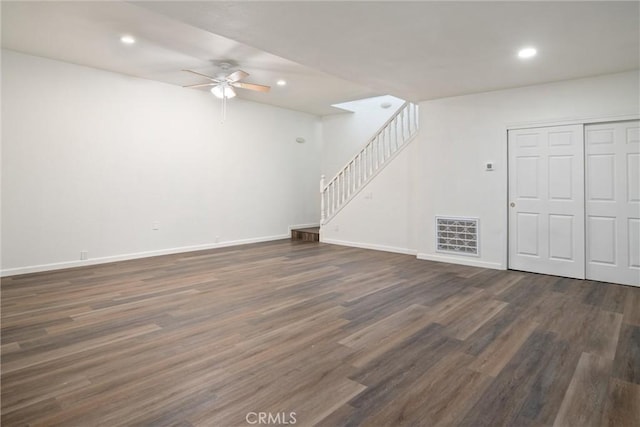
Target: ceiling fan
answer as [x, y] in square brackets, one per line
[222, 86]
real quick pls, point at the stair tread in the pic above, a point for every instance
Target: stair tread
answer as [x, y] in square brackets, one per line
[313, 230]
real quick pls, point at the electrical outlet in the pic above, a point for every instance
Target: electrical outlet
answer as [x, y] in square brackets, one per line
[217, 239]
[84, 255]
[155, 225]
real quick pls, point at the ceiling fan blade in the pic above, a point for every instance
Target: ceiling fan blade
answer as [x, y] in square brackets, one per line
[200, 74]
[251, 86]
[201, 85]
[237, 75]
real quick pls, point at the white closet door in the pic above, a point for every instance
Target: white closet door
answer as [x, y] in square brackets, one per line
[546, 200]
[613, 202]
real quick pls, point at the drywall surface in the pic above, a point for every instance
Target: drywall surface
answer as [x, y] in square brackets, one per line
[459, 135]
[93, 161]
[345, 134]
[442, 172]
[381, 215]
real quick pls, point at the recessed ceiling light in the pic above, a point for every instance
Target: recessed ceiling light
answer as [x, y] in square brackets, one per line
[527, 52]
[127, 39]
[281, 82]
[385, 105]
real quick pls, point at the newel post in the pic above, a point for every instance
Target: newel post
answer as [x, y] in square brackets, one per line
[322, 214]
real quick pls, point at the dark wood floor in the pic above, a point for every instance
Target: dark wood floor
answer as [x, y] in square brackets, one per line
[340, 336]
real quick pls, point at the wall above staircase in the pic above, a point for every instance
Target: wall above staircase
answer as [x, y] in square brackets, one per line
[344, 134]
[380, 150]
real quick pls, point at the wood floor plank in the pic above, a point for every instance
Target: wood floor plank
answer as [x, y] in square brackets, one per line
[615, 298]
[584, 401]
[502, 401]
[399, 369]
[526, 291]
[504, 347]
[373, 341]
[48, 356]
[487, 333]
[426, 341]
[371, 335]
[551, 382]
[31, 413]
[339, 417]
[626, 365]
[503, 282]
[341, 336]
[623, 404]
[13, 401]
[604, 334]
[512, 387]
[315, 406]
[595, 294]
[464, 326]
[632, 302]
[452, 390]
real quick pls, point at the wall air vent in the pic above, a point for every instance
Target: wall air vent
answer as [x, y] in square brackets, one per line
[457, 235]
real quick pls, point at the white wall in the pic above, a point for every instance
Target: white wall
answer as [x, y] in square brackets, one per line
[345, 134]
[443, 171]
[380, 216]
[468, 131]
[91, 158]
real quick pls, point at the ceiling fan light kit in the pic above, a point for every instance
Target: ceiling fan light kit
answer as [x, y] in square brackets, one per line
[223, 91]
[223, 86]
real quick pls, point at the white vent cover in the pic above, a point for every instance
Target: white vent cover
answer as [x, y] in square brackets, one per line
[457, 235]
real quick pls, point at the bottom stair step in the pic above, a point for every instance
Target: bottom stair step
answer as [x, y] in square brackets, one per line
[311, 234]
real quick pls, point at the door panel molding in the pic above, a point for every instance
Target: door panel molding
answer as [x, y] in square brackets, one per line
[585, 199]
[546, 182]
[612, 206]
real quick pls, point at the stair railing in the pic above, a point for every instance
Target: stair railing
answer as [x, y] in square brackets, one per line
[383, 146]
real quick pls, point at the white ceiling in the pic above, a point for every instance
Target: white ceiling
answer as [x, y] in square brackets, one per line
[337, 51]
[88, 33]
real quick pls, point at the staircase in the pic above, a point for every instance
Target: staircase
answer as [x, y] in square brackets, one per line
[383, 146]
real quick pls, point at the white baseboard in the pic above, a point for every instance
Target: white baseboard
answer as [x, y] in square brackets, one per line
[473, 262]
[125, 257]
[136, 255]
[369, 246]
